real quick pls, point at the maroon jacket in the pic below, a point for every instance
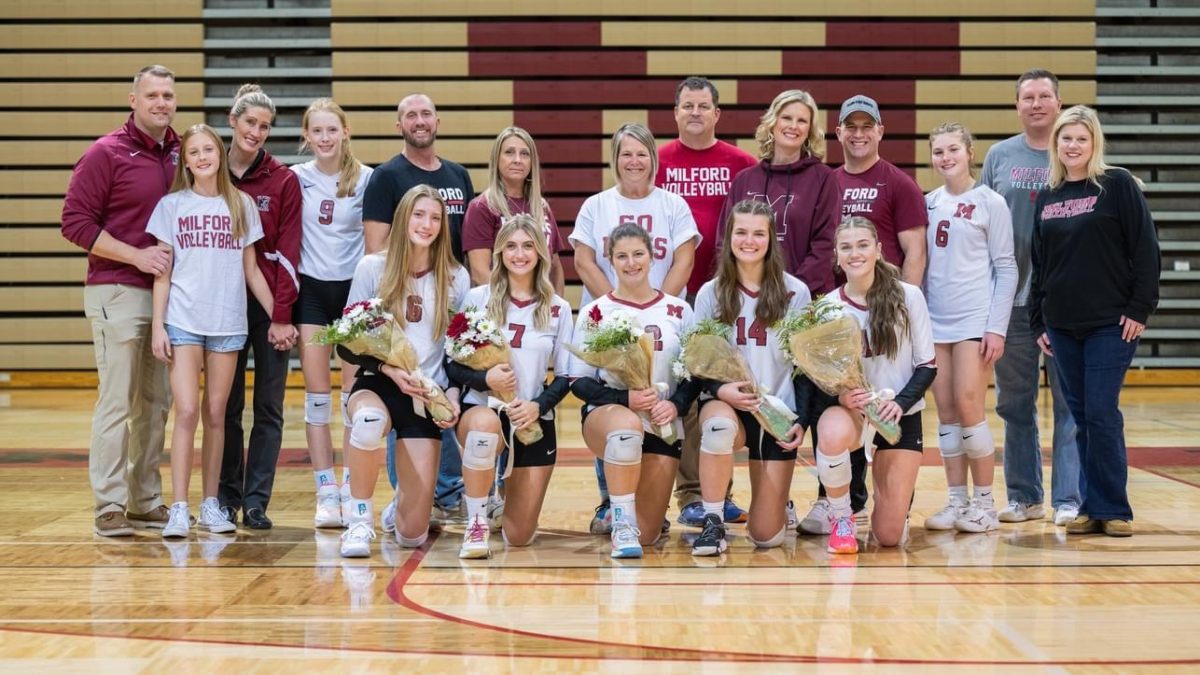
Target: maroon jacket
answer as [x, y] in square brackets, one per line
[807, 205]
[275, 190]
[115, 187]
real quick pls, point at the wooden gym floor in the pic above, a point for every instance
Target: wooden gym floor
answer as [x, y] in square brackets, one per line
[1025, 597]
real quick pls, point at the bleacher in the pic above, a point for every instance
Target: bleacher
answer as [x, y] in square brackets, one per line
[570, 73]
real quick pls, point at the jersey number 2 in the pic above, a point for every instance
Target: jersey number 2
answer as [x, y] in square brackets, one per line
[656, 333]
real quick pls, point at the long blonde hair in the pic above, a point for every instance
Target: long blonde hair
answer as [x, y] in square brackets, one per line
[1080, 114]
[773, 293]
[397, 273]
[543, 290]
[814, 145]
[234, 198]
[885, 299]
[349, 168]
[495, 194]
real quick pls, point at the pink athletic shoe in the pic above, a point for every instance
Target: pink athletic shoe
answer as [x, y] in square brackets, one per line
[842, 533]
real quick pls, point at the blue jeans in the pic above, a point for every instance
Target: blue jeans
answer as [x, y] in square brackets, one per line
[449, 490]
[1091, 367]
[1017, 377]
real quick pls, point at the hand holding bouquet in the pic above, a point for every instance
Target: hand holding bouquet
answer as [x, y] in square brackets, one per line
[708, 353]
[476, 342]
[826, 344]
[617, 344]
[366, 329]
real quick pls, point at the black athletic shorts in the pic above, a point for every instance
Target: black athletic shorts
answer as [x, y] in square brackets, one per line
[768, 449]
[651, 444]
[320, 302]
[405, 421]
[542, 453]
[910, 436]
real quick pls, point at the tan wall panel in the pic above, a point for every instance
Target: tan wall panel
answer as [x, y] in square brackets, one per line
[1018, 61]
[722, 34]
[714, 62]
[993, 92]
[408, 35]
[101, 9]
[48, 357]
[613, 119]
[708, 8]
[19, 182]
[65, 270]
[64, 153]
[456, 122]
[89, 94]
[45, 330]
[1025, 34]
[30, 211]
[35, 240]
[43, 299]
[400, 64]
[34, 65]
[89, 125]
[497, 92]
[463, 151]
[103, 36]
[980, 122]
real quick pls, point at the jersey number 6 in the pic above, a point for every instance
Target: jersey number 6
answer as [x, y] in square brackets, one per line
[942, 236]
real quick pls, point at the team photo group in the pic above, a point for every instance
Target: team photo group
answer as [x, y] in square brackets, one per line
[731, 303]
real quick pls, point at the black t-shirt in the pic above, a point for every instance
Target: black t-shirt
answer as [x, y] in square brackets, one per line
[397, 176]
[1095, 255]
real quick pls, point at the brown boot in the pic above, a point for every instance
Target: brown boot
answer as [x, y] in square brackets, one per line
[112, 524]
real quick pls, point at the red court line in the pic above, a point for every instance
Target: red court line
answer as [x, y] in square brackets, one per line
[801, 584]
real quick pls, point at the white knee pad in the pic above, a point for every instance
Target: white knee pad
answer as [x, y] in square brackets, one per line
[479, 450]
[346, 409]
[834, 471]
[411, 543]
[950, 443]
[977, 441]
[623, 448]
[366, 432]
[716, 437]
[316, 409]
[773, 541]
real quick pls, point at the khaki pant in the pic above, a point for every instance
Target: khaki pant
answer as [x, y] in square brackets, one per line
[129, 422]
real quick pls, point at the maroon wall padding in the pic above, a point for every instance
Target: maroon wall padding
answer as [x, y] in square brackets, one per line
[872, 62]
[891, 34]
[558, 63]
[510, 34]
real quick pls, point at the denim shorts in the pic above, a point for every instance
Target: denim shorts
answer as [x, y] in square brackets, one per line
[211, 343]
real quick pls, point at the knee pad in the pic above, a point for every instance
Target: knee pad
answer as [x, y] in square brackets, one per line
[623, 448]
[834, 471]
[415, 542]
[773, 541]
[366, 432]
[717, 434]
[316, 409]
[479, 450]
[950, 442]
[346, 409]
[977, 441]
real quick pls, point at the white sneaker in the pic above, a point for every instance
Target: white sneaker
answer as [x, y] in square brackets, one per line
[789, 511]
[344, 502]
[329, 510]
[944, 519]
[977, 519]
[495, 512]
[1017, 512]
[213, 519]
[817, 520]
[178, 522]
[1065, 514]
[625, 542]
[387, 519]
[475, 540]
[356, 540]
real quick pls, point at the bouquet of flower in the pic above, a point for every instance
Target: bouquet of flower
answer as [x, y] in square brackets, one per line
[826, 344]
[706, 352]
[365, 328]
[476, 342]
[616, 343]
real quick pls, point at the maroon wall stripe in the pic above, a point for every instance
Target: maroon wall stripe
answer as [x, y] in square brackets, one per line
[565, 64]
[573, 122]
[828, 93]
[533, 34]
[604, 93]
[583, 181]
[891, 34]
[871, 62]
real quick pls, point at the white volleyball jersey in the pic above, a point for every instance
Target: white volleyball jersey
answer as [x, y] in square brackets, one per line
[419, 309]
[758, 344]
[972, 274]
[665, 215]
[665, 318]
[332, 235]
[916, 348]
[534, 350]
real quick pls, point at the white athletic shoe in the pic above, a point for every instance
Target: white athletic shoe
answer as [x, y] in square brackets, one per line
[1065, 514]
[179, 521]
[329, 510]
[356, 540]
[624, 539]
[789, 512]
[344, 501]
[1017, 512]
[944, 519]
[387, 519]
[475, 540]
[213, 519]
[817, 520]
[977, 519]
[495, 512]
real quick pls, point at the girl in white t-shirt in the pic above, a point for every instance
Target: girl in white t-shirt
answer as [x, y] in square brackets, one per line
[332, 186]
[970, 283]
[420, 283]
[537, 324]
[898, 356]
[199, 320]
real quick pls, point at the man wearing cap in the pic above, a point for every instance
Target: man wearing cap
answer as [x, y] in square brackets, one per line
[875, 189]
